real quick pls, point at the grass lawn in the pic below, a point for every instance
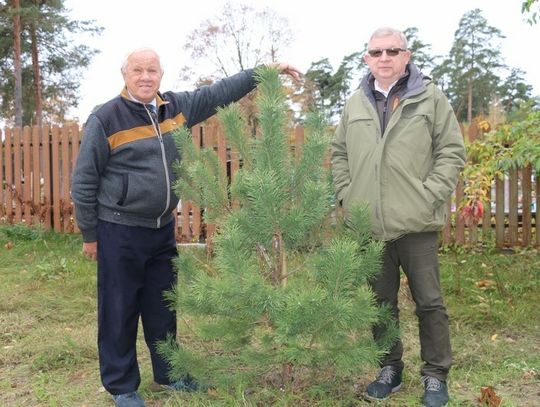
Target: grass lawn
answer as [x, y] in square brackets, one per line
[48, 353]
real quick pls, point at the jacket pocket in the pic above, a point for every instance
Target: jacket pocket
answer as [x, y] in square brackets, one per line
[125, 185]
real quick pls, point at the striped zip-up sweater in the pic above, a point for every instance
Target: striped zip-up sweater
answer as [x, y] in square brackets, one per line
[124, 169]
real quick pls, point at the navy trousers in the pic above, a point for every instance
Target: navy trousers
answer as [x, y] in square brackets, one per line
[134, 269]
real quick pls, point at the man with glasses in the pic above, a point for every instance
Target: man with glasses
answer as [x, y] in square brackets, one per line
[399, 148]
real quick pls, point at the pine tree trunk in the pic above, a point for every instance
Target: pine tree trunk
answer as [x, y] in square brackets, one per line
[17, 62]
[37, 77]
[280, 278]
[469, 101]
[280, 264]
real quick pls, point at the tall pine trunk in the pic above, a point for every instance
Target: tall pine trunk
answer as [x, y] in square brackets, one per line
[17, 66]
[37, 76]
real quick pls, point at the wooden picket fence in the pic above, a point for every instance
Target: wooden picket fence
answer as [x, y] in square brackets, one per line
[36, 166]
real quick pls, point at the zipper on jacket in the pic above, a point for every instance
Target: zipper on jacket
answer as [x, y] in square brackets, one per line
[155, 123]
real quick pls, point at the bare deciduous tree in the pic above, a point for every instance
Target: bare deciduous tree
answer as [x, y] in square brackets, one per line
[237, 38]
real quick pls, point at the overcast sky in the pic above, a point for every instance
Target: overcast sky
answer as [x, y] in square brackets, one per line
[321, 29]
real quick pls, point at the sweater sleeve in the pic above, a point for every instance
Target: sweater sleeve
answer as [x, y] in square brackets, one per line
[91, 162]
[202, 103]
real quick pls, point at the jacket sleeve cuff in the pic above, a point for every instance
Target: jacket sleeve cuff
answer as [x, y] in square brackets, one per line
[89, 235]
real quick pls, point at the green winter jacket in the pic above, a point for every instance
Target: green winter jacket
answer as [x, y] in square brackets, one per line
[407, 173]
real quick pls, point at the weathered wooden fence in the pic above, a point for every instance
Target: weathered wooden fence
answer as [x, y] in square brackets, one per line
[36, 166]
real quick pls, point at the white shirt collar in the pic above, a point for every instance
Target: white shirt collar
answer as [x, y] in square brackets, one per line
[384, 92]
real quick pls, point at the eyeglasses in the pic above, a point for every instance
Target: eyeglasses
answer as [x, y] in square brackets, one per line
[391, 52]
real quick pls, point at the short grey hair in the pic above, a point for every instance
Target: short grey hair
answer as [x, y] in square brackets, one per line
[388, 31]
[125, 62]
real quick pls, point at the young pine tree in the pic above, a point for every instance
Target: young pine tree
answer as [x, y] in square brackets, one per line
[284, 293]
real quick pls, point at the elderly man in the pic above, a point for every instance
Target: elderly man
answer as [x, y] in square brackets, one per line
[122, 190]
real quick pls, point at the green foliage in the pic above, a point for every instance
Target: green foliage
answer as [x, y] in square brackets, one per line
[514, 92]
[201, 177]
[284, 287]
[329, 90]
[474, 61]
[52, 268]
[473, 74]
[49, 266]
[22, 232]
[46, 28]
[510, 146]
[234, 124]
[532, 12]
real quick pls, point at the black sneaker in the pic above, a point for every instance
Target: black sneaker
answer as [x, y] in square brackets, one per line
[387, 382]
[436, 392]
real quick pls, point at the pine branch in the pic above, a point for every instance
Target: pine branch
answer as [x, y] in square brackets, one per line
[234, 126]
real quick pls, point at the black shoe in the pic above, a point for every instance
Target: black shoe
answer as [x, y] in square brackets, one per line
[436, 392]
[387, 382]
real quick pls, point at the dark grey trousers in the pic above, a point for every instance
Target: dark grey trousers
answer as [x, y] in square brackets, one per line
[417, 255]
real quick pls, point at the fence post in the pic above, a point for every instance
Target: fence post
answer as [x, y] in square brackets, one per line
[17, 172]
[55, 164]
[26, 177]
[536, 212]
[460, 223]
[188, 211]
[65, 199]
[447, 230]
[36, 176]
[499, 212]
[215, 140]
[513, 207]
[8, 143]
[526, 203]
[486, 219]
[47, 181]
[75, 145]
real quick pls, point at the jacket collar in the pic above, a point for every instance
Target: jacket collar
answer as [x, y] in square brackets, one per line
[413, 81]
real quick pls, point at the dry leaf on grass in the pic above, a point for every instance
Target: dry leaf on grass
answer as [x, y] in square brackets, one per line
[488, 397]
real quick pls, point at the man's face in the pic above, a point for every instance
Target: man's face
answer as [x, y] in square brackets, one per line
[387, 68]
[142, 75]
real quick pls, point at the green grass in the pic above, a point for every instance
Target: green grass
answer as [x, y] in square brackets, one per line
[48, 353]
